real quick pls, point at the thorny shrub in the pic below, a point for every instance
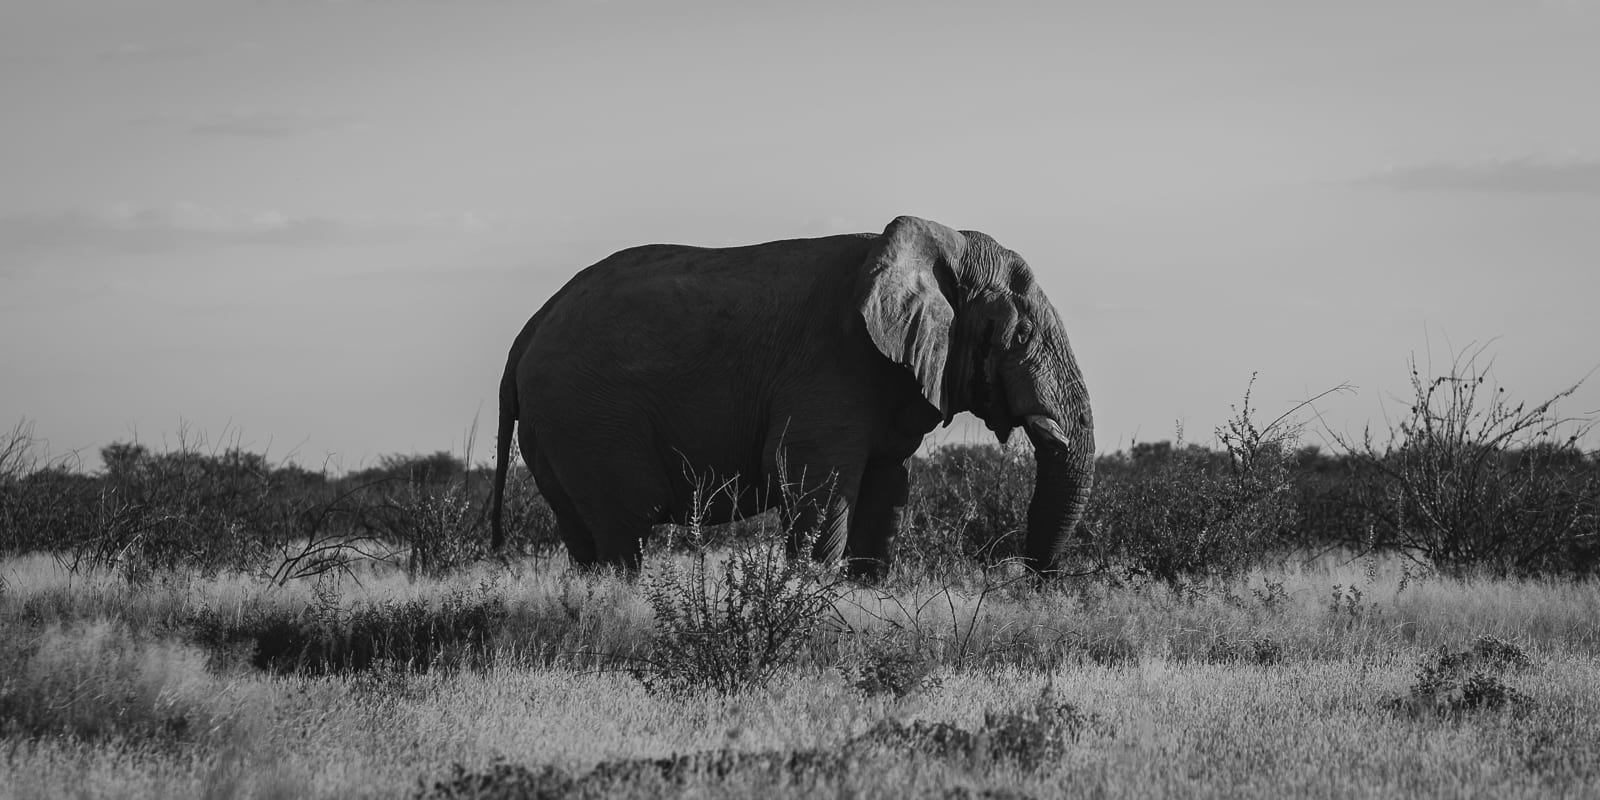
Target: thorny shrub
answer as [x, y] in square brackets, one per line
[1180, 513]
[727, 624]
[1471, 480]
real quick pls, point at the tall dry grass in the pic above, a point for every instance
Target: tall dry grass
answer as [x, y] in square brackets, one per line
[1190, 706]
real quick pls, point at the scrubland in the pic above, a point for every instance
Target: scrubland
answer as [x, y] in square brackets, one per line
[985, 687]
[1407, 615]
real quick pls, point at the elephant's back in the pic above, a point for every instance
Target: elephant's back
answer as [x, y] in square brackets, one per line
[692, 300]
[662, 267]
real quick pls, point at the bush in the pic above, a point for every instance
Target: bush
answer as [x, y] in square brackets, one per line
[185, 509]
[967, 502]
[530, 525]
[1327, 499]
[1450, 682]
[732, 624]
[436, 524]
[230, 510]
[1173, 513]
[1180, 513]
[47, 509]
[889, 666]
[1471, 480]
[437, 509]
[42, 505]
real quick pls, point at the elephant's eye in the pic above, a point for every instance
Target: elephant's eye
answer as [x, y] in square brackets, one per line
[1024, 335]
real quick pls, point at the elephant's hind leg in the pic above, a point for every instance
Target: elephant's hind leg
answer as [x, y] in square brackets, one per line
[619, 502]
[885, 487]
[574, 532]
[621, 524]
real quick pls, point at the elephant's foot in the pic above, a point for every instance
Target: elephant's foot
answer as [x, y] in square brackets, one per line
[866, 571]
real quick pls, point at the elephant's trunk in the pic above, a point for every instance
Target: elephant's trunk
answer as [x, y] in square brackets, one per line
[1065, 463]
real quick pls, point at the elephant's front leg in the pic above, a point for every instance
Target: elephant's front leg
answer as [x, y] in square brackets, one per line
[817, 499]
[880, 501]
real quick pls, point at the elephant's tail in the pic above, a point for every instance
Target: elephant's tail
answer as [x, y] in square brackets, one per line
[502, 456]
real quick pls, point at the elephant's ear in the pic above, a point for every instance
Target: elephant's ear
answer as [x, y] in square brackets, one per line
[905, 287]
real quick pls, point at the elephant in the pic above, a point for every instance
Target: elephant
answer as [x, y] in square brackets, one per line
[811, 369]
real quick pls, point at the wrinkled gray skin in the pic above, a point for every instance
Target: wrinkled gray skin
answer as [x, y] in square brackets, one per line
[820, 362]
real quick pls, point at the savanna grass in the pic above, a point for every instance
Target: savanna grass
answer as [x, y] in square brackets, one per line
[1153, 691]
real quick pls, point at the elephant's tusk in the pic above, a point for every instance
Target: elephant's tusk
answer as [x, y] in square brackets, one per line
[1043, 426]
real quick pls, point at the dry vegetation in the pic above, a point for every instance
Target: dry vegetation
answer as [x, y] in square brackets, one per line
[1284, 686]
[1413, 617]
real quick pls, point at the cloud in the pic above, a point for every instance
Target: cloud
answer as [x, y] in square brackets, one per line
[182, 226]
[1519, 175]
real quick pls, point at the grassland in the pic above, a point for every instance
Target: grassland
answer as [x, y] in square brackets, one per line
[1337, 678]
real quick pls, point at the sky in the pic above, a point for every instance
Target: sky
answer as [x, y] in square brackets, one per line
[312, 228]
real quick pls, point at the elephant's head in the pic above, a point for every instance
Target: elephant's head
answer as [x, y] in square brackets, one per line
[966, 316]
